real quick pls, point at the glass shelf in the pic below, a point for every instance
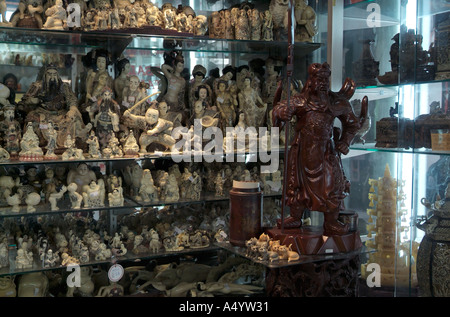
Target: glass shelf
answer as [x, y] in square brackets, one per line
[371, 148]
[241, 251]
[25, 40]
[38, 267]
[130, 205]
[204, 198]
[64, 206]
[149, 156]
[356, 15]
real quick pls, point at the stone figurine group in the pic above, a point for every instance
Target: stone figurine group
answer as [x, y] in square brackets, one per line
[242, 21]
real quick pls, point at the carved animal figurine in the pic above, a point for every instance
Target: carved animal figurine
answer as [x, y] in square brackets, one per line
[283, 252]
[273, 254]
[292, 255]
[155, 244]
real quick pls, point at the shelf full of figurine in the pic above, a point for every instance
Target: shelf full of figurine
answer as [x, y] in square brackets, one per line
[242, 21]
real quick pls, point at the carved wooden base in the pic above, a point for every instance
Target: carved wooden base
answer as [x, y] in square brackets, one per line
[310, 240]
[317, 279]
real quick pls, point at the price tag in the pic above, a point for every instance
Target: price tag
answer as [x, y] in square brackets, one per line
[115, 273]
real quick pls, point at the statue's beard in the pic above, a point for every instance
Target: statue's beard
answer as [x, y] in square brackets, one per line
[53, 87]
[107, 104]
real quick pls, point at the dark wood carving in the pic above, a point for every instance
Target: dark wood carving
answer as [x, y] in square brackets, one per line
[318, 279]
[315, 178]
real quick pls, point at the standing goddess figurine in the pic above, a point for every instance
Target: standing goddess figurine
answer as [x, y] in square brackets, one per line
[175, 84]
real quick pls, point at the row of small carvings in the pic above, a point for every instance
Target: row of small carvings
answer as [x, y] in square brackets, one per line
[239, 22]
[66, 239]
[88, 186]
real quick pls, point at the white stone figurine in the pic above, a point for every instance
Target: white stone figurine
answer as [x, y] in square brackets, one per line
[75, 198]
[115, 198]
[56, 17]
[13, 201]
[54, 197]
[72, 153]
[32, 200]
[148, 191]
[51, 135]
[24, 260]
[130, 146]
[94, 194]
[30, 150]
[94, 146]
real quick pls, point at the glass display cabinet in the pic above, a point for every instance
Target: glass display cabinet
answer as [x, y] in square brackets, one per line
[394, 50]
[56, 223]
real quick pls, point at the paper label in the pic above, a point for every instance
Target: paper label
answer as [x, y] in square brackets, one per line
[115, 273]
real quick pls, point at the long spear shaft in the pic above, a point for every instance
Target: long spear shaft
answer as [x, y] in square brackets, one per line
[289, 70]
